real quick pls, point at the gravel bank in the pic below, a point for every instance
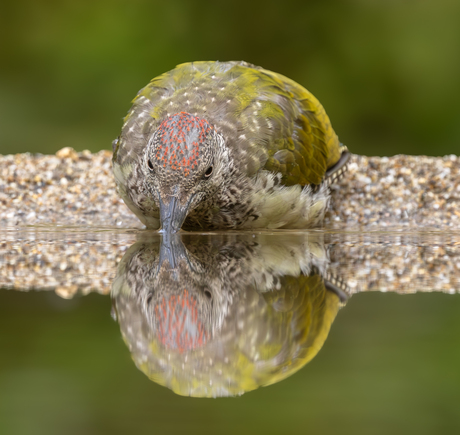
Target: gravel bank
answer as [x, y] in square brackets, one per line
[401, 191]
[77, 189]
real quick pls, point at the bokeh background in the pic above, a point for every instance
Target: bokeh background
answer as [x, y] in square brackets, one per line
[389, 366]
[387, 71]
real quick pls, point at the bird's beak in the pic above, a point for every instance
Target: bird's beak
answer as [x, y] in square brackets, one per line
[172, 214]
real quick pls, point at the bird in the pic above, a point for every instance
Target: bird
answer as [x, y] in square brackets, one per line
[226, 145]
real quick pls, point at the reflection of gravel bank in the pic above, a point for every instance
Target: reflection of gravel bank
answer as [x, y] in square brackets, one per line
[71, 261]
[398, 262]
[78, 189]
[67, 262]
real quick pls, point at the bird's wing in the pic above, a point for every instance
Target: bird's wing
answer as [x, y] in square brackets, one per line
[288, 129]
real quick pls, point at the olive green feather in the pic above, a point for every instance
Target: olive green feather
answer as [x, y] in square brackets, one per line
[270, 121]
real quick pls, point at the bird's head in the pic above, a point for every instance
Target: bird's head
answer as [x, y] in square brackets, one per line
[182, 167]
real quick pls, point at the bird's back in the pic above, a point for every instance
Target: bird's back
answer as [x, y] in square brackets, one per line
[269, 121]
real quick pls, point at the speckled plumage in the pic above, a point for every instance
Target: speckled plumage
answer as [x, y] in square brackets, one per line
[263, 160]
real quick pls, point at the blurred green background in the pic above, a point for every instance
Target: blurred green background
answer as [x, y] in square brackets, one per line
[389, 366]
[387, 71]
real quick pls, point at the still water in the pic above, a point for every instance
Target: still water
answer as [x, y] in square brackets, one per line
[105, 330]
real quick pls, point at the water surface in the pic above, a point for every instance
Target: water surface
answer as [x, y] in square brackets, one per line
[104, 329]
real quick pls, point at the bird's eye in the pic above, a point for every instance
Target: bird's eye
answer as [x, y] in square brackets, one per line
[208, 172]
[149, 163]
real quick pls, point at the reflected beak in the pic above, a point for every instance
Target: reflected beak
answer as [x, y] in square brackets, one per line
[172, 214]
[172, 251]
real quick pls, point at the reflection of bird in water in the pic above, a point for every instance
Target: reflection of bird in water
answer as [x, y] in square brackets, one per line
[219, 316]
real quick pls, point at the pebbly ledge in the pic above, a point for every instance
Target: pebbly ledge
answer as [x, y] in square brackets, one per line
[68, 188]
[77, 189]
[415, 192]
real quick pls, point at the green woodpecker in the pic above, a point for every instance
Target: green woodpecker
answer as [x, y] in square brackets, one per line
[226, 145]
